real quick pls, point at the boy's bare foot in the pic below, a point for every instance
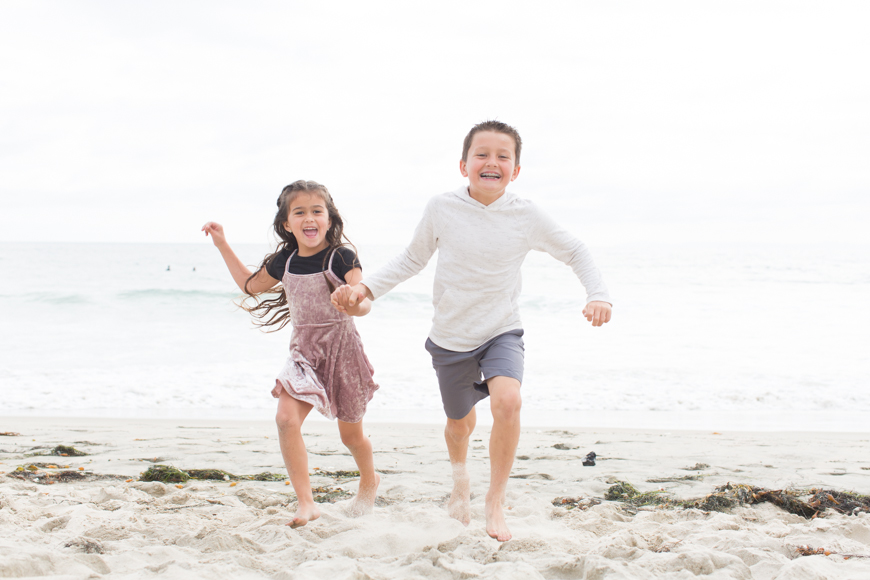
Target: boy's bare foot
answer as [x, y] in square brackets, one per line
[304, 514]
[459, 506]
[496, 527]
[364, 502]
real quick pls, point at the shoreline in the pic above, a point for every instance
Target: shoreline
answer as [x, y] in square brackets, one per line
[205, 529]
[746, 421]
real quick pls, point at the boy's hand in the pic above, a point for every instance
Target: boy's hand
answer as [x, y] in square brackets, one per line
[597, 312]
[349, 298]
[217, 233]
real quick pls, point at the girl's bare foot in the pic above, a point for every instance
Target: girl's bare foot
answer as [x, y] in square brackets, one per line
[364, 502]
[304, 514]
[459, 506]
[496, 527]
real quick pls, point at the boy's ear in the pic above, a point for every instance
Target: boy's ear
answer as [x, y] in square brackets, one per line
[515, 173]
[462, 168]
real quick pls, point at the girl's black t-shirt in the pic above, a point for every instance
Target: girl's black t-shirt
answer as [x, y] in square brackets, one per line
[344, 261]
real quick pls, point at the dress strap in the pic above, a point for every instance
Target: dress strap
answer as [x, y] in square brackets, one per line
[287, 263]
[332, 257]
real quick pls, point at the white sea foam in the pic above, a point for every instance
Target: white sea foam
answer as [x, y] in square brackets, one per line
[761, 331]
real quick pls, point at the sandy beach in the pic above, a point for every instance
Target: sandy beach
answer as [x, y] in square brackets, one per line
[89, 516]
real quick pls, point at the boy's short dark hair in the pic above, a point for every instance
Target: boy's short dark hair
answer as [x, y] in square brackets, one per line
[497, 127]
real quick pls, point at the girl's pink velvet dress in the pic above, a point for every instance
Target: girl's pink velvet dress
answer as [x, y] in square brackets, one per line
[327, 366]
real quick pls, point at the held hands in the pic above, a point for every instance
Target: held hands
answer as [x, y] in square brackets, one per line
[597, 312]
[350, 299]
[217, 233]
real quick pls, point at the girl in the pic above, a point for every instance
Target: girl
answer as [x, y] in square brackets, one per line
[327, 368]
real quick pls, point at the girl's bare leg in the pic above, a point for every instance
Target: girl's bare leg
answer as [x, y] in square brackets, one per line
[291, 414]
[361, 448]
[456, 433]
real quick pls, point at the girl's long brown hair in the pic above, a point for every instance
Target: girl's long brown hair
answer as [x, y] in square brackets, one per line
[274, 311]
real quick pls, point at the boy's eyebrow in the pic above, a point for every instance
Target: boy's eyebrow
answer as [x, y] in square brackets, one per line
[499, 149]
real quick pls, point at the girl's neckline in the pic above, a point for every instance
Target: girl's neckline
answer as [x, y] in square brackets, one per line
[320, 253]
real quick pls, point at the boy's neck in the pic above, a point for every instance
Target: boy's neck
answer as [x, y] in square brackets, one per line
[485, 198]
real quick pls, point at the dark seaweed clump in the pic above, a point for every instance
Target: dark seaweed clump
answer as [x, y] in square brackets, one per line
[33, 474]
[336, 474]
[164, 474]
[67, 451]
[170, 474]
[327, 494]
[627, 493]
[211, 474]
[731, 495]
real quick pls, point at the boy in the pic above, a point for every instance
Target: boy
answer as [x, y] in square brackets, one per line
[483, 234]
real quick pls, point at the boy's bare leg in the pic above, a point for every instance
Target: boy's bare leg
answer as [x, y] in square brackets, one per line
[505, 402]
[291, 414]
[457, 434]
[355, 440]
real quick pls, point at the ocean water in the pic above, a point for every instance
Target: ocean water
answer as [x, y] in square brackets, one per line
[711, 336]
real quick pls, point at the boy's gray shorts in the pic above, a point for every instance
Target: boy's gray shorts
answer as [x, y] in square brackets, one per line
[459, 373]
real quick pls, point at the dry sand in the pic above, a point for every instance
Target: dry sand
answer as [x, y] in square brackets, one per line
[235, 529]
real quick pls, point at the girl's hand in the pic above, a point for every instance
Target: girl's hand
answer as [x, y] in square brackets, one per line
[217, 233]
[350, 300]
[341, 298]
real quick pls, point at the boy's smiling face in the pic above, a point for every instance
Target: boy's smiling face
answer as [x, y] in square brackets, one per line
[490, 165]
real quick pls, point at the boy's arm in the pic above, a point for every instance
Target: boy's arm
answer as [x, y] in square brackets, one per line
[546, 235]
[407, 264]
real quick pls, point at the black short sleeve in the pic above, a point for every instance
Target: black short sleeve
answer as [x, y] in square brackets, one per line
[275, 268]
[344, 261]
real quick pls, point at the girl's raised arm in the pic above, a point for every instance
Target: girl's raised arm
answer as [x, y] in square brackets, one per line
[240, 273]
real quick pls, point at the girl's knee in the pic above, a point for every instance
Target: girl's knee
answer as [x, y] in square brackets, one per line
[353, 439]
[287, 422]
[352, 435]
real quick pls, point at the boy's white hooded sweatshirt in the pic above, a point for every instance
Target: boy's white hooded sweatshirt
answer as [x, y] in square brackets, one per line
[480, 251]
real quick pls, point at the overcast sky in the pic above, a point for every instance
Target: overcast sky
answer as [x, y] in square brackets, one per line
[642, 121]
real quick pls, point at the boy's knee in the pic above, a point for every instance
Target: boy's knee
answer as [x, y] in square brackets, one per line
[458, 430]
[507, 405]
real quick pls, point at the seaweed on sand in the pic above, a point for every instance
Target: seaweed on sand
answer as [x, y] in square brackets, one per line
[67, 451]
[839, 501]
[164, 474]
[265, 476]
[570, 503]
[32, 474]
[211, 474]
[336, 474]
[170, 474]
[627, 493]
[731, 495]
[326, 494]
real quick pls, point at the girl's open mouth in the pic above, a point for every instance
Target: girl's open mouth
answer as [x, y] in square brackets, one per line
[309, 232]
